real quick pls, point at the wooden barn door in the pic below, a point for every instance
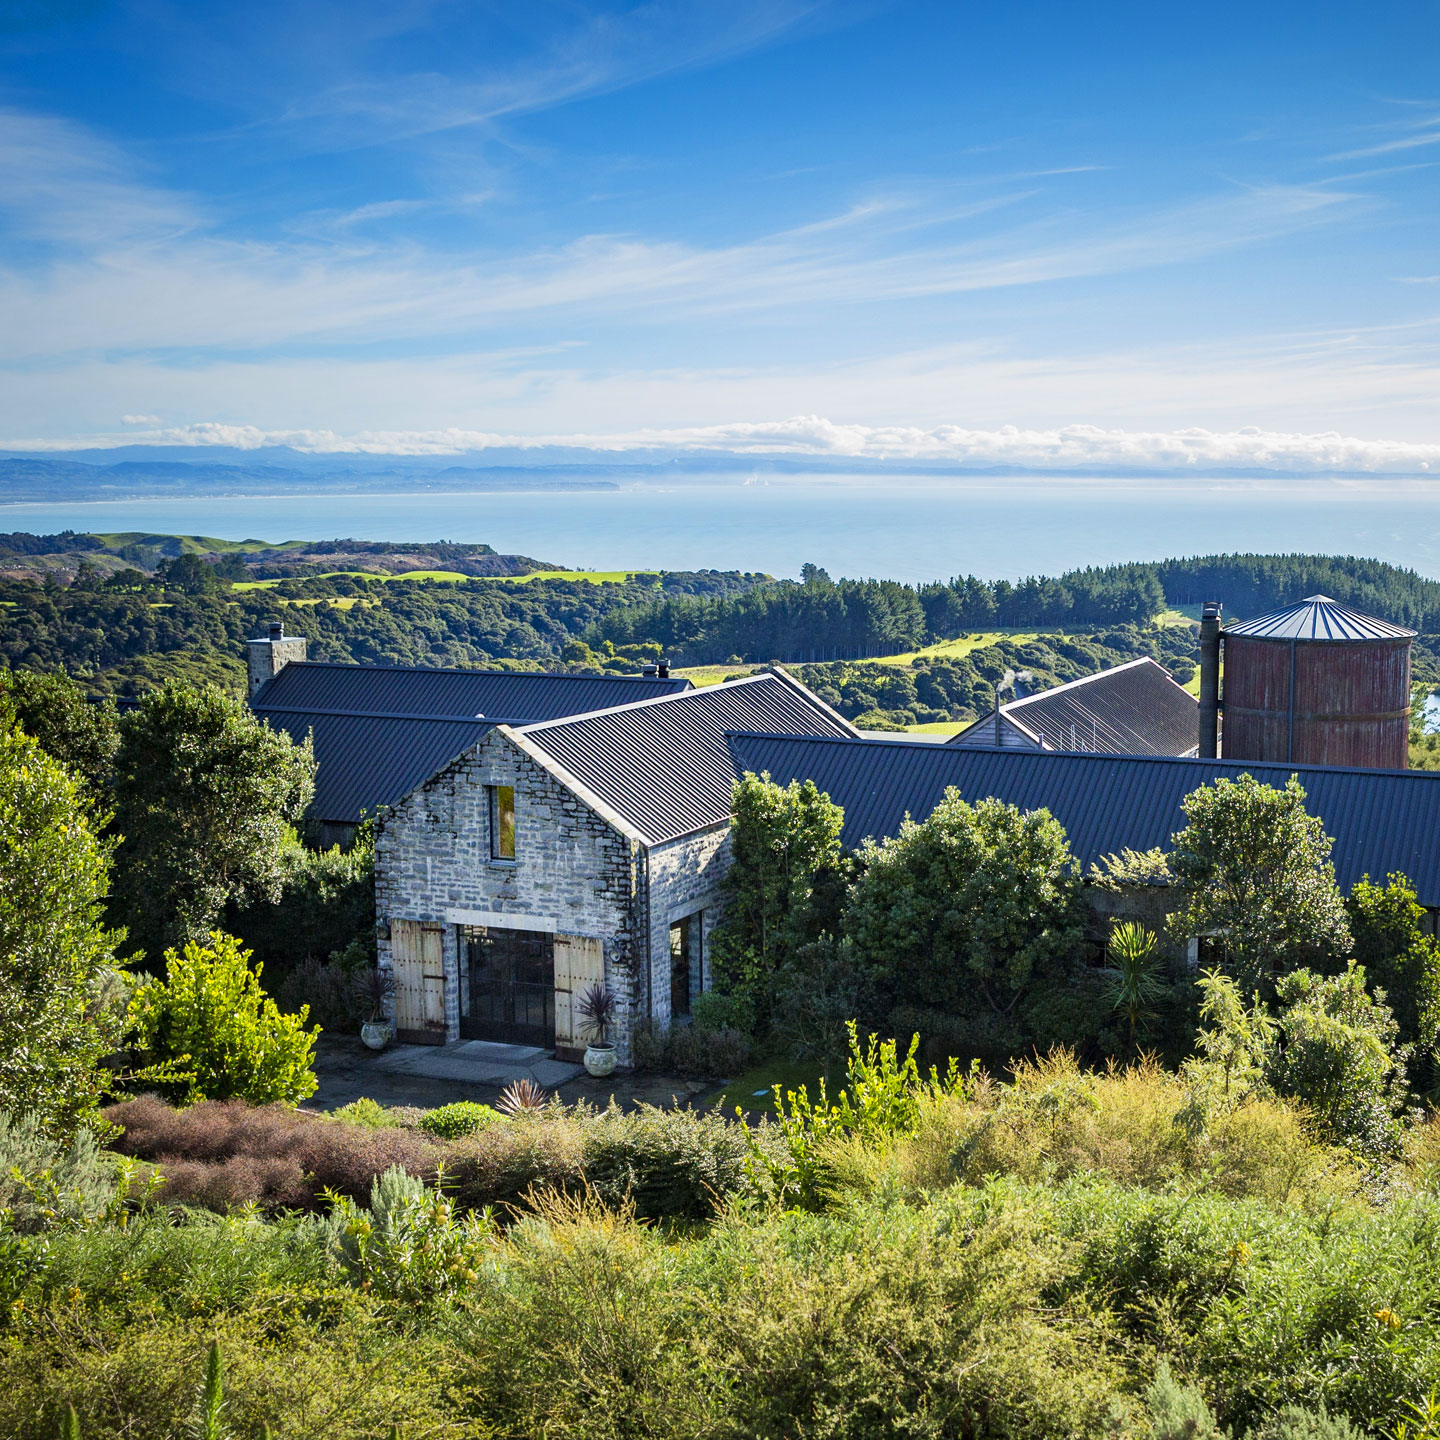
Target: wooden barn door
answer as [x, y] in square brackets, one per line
[579, 964]
[417, 956]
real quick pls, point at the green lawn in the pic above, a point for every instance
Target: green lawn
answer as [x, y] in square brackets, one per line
[753, 1091]
[939, 727]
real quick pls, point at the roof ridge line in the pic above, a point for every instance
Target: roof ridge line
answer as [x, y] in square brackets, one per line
[1294, 767]
[465, 670]
[692, 694]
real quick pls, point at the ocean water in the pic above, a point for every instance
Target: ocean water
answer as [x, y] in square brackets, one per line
[897, 528]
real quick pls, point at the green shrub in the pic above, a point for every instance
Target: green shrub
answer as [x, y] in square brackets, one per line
[712, 1010]
[327, 993]
[505, 1165]
[210, 1019]
[690, 1050]
[369, 1113]
[464, 1117]
[1179, 1412]
[1291, 1422]
[665, 1164]
[410, 1244]
[44, 1183]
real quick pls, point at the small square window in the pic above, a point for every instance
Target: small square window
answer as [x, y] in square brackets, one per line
[502, 822]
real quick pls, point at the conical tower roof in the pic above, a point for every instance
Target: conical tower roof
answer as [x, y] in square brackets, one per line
[1318, 617]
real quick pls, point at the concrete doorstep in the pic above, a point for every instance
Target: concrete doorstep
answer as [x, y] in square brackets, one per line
[478, 1062]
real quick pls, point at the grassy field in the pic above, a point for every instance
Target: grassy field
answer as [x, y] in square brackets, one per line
[701, 675]
[456, 577]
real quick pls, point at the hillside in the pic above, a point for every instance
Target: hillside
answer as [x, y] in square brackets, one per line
[24, 556]
[127, 609]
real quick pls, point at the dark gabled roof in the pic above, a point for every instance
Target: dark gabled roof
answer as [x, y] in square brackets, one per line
[365, 761]
[1380, 820]
[1131, 709]
[379, 731]
[663, 767]
[519, 697]
[1318, 617]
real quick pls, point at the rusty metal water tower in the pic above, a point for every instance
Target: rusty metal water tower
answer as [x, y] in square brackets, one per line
[1314, 684]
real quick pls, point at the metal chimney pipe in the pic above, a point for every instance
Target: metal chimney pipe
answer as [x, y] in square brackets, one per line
[1210, 680]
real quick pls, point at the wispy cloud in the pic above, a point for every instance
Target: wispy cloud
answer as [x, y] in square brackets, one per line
[1418, 133]
[139, 271]
[605, 53]
[61, 184]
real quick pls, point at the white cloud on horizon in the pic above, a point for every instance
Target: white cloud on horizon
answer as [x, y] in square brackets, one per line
[1070, 448]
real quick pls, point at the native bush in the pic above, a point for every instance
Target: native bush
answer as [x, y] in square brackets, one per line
[409, 1244]
[226, 1038]
[371, 1114]
[223, 1153]
[53, 946]
[204, 794]
[967, 910]
[1057, 1120]
[1253, 869]
[326, 992]
[665, 1164]
[44, 1183]
[464, 1117]
[502, 1165]
[781, 885]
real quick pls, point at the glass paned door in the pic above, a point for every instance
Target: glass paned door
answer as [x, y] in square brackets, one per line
[512, 985]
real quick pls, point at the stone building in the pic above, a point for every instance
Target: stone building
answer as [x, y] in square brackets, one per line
[551, 857]
[379, 730]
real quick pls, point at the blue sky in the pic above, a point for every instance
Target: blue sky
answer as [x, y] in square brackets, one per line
[1030, 232]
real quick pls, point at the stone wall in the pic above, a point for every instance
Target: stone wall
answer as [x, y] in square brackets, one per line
[573, 872]
[685, 876]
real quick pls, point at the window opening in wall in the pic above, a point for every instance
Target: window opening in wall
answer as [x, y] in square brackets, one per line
[511, 994]
[502, 822]
[687, 964]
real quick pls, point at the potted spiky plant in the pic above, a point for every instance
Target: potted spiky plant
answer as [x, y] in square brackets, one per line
[597, 1007]
[373, 989]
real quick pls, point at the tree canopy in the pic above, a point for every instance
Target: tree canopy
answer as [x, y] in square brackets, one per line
[1254, 871]
[54, 945]
[965, 909]
[205, 796]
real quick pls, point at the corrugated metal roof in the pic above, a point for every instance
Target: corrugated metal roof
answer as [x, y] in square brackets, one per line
[664, 766]
[406, 690]
[364, 761]
[380, 731]
[1131, 709]
[1318, 617]
[1380, 820]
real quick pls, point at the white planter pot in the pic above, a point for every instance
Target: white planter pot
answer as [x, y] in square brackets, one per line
[376, 1034]
[600, 1060]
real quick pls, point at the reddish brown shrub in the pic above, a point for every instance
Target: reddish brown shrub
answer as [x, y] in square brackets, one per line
[240, 1180]
[224, 1152]
[499, 1164]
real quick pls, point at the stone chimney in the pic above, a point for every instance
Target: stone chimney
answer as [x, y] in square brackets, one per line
[270, 654]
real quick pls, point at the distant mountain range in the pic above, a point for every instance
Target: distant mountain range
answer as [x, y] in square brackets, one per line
[139, 471]
[154, 472]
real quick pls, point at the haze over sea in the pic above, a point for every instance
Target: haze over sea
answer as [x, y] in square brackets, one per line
[904, 528]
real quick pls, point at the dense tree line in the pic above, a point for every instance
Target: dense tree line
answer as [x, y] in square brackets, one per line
[817, 619]
[126, 637]
[1251, 584]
